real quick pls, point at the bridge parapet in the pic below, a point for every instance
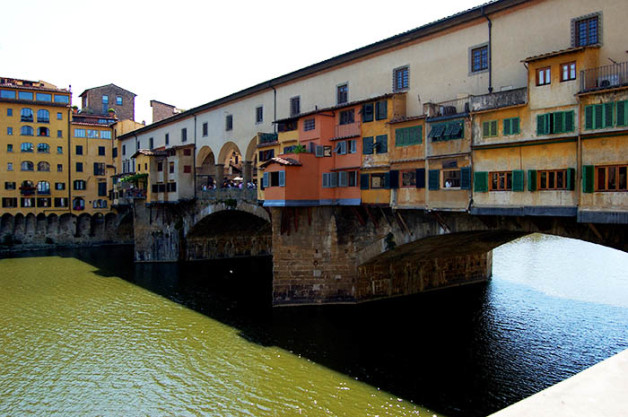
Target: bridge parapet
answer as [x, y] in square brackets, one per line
[224, 194]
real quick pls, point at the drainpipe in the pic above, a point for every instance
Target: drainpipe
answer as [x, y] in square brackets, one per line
[274, 106]
[490, 51]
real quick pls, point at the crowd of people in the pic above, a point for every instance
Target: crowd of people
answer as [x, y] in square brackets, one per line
[237, 183]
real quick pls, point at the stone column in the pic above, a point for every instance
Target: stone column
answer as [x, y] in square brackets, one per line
[220, 174]
[247, 171]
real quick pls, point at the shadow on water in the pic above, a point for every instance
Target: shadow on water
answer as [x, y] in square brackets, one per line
[443, 350]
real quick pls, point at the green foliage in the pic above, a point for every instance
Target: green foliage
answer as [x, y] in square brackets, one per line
[134, 178]
[299, 149]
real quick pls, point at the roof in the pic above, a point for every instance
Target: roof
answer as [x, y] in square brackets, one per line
[106, 85]
[478, 12]
[554, 53]
[281, 161]
[149, 153]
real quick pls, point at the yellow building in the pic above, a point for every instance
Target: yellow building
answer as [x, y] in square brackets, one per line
[34, 152]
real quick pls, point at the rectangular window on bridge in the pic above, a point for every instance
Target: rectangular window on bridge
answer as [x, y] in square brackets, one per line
[554, 179]
[274, 179]
[611, 178]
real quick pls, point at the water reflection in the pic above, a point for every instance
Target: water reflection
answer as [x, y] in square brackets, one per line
[553, 308]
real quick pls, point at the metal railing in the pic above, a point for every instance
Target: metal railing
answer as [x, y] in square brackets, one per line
[449, 107]
[608, 76]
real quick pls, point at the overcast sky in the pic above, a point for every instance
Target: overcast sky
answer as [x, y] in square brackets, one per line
[187, 53]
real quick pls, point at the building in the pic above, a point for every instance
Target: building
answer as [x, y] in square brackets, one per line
[100, 100]
[513, 107]
[162, 110]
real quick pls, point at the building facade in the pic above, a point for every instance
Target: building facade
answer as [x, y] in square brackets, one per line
[100, 100]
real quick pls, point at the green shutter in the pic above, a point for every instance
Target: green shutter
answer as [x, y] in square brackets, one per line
[433, 179]
[364, 181]
[517, 180]
[465, 178]
[419, 130]
[367, 145]
[382, 143]
[571, 179]
[559, 119]
[622, 113]
[598, 117]
[381, 110]
[494, 128]
[515, 126]
[569, 121]
[480, 181]
[282, 178]
[588, 117]
[542, 124]
[265, 180]
[587, 178]
[507, 127]
[486, 129]
[400, 137]
[367, 112]
[387, 180]
[532, 180]
[608, 114]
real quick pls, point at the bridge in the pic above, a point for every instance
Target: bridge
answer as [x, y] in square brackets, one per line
[333, 254]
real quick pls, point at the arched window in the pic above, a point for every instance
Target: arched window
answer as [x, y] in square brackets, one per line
[26, 131]
[43, 187]
[43, 116]
[78, 204]
[100, 203]
[43, 166]
[43, 131]
[26, 115]
[26, 147]
[43, 148]
[27, 166]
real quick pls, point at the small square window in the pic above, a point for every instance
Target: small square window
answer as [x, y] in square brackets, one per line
[9, 131]
[119, 100]
[585, 31]
[9, 148]
[543, 76]
[479, 58]
[79, 167]
[59, 133]
[229, 122]
[79, 150]
[401, 79]
[101, 151]
[295, 106]
[59, 167]
[59, 116]
[9, 112]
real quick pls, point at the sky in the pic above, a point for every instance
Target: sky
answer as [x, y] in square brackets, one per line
[187, 53]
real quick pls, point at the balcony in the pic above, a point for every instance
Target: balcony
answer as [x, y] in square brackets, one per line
[265, 138]
[602, 78]
[347, 131]
[448, 109]
[500, 99]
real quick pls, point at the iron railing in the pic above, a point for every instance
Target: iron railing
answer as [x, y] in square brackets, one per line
[608, 76]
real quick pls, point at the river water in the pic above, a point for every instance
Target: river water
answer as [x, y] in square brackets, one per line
[87, 332]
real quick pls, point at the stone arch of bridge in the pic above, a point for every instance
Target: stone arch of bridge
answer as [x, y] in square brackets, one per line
[205, 161]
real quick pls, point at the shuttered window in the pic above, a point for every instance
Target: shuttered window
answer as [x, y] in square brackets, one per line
[367, 145]
[557, 122]
[480, 181]
[381, 110]
[433, 179]
[381, 144]
[367, 112]
[598, 116]
[588, 179]
[407, 136]
[511, 126]
[489, 128]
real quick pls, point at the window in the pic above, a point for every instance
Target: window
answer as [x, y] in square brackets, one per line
[9, 112]
[59, 186]
[123, 149]
[43, 131]
[78, 204]
[61, 202]
[408, 178]
[353, 146]
[25, 95]
[151, 143]
[380, 181]
[160, 166]
[451, 178]
[295, 106]
[79, 150]
[167, 139]
[101, 151]
[102, 189]
[26, 115]
[62, 99]
[79, 167]
[43, 166]
[79, 133]
[26, 147]
[60, 150]
[557, 122]
[28, 202]
[119, 100]
[568, 71]
[27, 131]
[205, 129]
[59, 116]
[105, 103]
[479, 58]
[274, 179]
[43, 116]
[229, 122]
[184, 134]
[598, 116]
[59, 133]
[585, 31]
[9, 147]
[543, 76]
[611, 178]
[9, 166]
[43, 97]
[59, 167]
[79, 184]
[9, 202]
[171, 167]
[367, 112]
[309, 124]
[371, 145]
[346, 117]
[99, 168]
[500, 181]
[556, 179]
[105, 134]
[341, 148]
[342, 94]
[10, 131]
[447, 131]
[8, 185]
[266, 155]
[400, 79]
[259, 114]
[43, 148]
[92, 134]
[489, 128]
[511, 126]
[7, 94]
[407, 136]
[381, 110]
[43, 187]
